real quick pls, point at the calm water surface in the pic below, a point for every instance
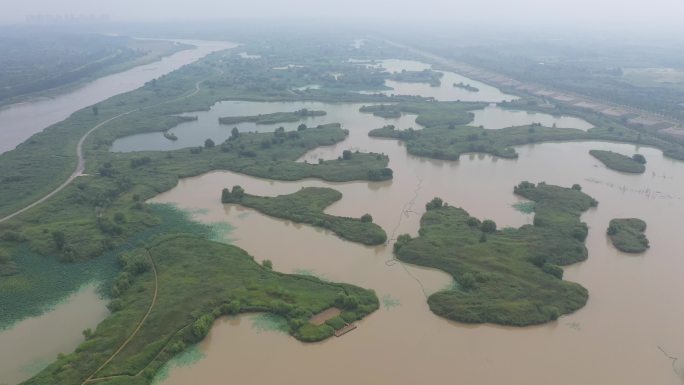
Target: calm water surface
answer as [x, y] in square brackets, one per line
[31, 344]
[615, 339]
[19, 121]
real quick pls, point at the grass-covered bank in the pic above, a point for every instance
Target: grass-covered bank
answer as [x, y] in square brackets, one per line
[627, 235]
[445, 136]
[433, 78]
[307, 206]
[430, 114]
[42, 163]
[102, 211]
[507, 276]
[41, 281]
[619, 162]
[273, 118]
[197, 280]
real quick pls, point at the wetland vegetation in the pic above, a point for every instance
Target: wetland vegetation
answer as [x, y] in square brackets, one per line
[178, 285]
[627, 235]
[445, 135]
[466, 87]
[272, 118]
[507, 276]
[619, 162]
[425, 76]
[105, 214]
[307, 206]
[178, 281]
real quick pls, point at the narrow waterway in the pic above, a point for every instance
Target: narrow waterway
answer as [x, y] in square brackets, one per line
[32, 343]
[446, 91]
[616, 339]
[19, 121]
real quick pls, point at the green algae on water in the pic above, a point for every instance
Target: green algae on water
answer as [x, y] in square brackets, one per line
[188, 357]
[267, 322]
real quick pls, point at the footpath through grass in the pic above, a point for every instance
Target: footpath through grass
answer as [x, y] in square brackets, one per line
[198, 281]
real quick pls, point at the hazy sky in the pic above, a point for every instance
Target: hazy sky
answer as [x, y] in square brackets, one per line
[569, 12]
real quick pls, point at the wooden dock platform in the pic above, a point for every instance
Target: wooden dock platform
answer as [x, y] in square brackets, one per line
[346, 329]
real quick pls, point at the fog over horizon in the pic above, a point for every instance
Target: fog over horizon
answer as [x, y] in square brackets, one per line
[563, 14]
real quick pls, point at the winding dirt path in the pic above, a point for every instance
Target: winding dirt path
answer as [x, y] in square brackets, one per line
[137, 328]
[80, 167]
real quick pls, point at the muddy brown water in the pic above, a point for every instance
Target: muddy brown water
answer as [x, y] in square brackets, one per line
[19, 121]
[33, 343]
[633, 311]
[633, 307]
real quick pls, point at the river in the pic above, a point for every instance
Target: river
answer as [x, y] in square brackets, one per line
[632, 313]
[617, 338]
[19, 121]
[33, 343]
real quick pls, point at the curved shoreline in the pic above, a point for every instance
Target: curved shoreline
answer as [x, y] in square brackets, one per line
[18, 122]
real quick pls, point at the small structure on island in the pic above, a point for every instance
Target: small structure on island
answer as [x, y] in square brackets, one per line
[328, 314]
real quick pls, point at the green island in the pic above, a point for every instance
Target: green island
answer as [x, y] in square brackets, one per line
[445, 136]
[306, 206]
[98, 213]
[619, 162]
[93, 221]
[430, 114]
[507, 276]
[382, 111]
[273, 118]
[169, 279]
[627, 235]
[105, 212]
[466, 87]
[170, 135]
[433, 78]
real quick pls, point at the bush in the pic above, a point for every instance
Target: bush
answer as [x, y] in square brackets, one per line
[435, 203]
[554, 270]
[467, 281]
[201, 326]
[59, 238]
[349, 316]
[639, 158]
[366, 218]
[313, 333]
[488, 226]
[401, 241]
[336, 323]
[209, 143]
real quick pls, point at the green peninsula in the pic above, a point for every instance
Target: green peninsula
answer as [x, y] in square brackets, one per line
[306, 206]
[273, 118]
